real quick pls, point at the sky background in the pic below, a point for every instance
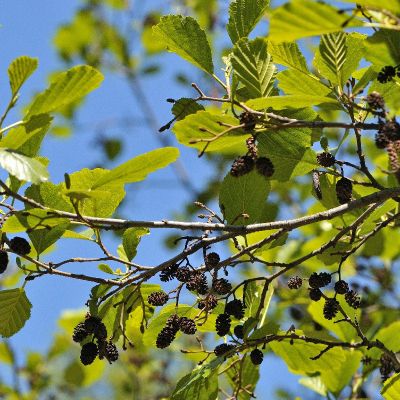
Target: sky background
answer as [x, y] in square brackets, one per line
[27, 29]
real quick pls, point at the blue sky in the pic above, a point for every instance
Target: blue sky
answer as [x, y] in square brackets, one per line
[27, 29]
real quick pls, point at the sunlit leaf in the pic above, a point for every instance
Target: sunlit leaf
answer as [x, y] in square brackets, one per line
[138, 168]
[183, 36]
[302, 18]
[22, 167]
[253, 66]
[66, 88]
[20, 70]
[242, 200]
[15, 310]
[244, 16]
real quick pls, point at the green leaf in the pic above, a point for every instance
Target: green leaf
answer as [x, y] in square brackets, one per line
[158, 322]
[344, 332]
[388, 335]
[49, 195]
[249, 376]
[305, 85]
[302, 18]
[105, 268]
[382, 48]
[6, 353]
[22, 167]
[288, 149]
[28, 137]
[244, 16]
[289, 55]
[289, 101]
[244, 195]
[314, 383]
[368, 75]
[44, 238]
[339, 55]
[253, 66]
[137, 169]
[95, 202]
[205, 126]
[19, 71]
[200, 384]
[355, 43]
[183, 36]
[391, 388]
[331, 57]
[84, 376]
[336, 367]
[114, 311]
[389, 5]
[185, 106]
[66, 88]
[15, 310]
[131, 239]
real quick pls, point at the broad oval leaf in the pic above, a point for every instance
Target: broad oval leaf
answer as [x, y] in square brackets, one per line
[336, 367]
[183, 36]
[243, 200]
[200, 384]
[185, 106]
[391, 388]
[387, 5]
[204, 131]
[244, 16]
[22, 167]
[66, 88]
[15, 310]
[289, 101]
[253, 66]
[289, 55]
[302, 18]
[298, 158]
[139, 167]
[131, 239]
[19, 71]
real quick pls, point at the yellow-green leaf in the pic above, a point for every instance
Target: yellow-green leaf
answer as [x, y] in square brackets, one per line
[139, 167]
[15, 310]
[66, 88]
[244, 16]
[22, 167]
[301, 18]
[391, 388]
[20, 70]
[183, 36]
[289, 101]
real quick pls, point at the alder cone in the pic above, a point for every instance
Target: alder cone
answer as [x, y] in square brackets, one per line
[20, 245]
[3, 261]
[326, 159]
[242, 166]
[89, 353]
[187, 326]
[256, 356]
[265, 167]
[223, 324]
[295, 282]
[111, 352]
[344, 190]
[80, 332]
[331, 308]
[249, 120]
[165, 337]
[222, 286]
[223, 348]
